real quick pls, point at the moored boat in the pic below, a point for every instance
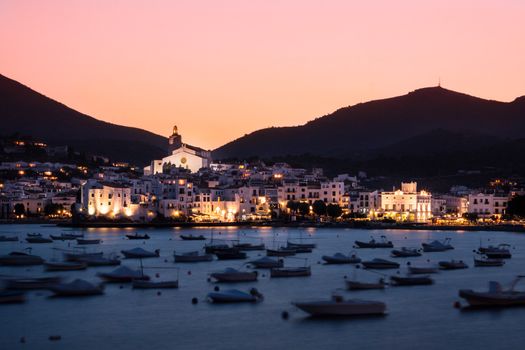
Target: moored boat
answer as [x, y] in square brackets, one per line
[20, 259]
[140, 284]
[249, 246]
[281, 252]
[452, 265]
[139, 253]
[235, 296]
[300, 245]
[266, 263]
[192, 237]
[380, 264]
[233, 275]
[66, 237]
[123, 274]
[213, 248]
[437, 246]
[74, 256]
[383, 243]
[291, 271]
[31, 283]
[81, 241]
[359, 285]
[488, 262]
[339, 307]
[137, 236]
[39, 239]
[94, 261]
[190, 257]
[230, 254]
[405, 252]
[496, 296]
[422, 270]
[65, 266]
[410, 280]
[501, 251]
[10, 297]
[340, 258]
[76, 288]
[8, 238]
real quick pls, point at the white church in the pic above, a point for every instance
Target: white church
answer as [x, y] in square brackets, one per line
[181, 156]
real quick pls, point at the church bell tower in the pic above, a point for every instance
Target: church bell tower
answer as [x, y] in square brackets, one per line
[174, 141]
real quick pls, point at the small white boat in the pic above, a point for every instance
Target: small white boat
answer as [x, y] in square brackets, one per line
[123, 274]
[140, 284]
[496, 296]
[488, 262]
[76, 288]
[291, 272]
[235, 296]
[233, 275]
[340, 258]
[405, 252]
[359, 285]
[502, 251]
[20, 259]
[194, 256]
[139, 253]
[339, 307]
[382, 243]
[437, 246]
[65, 266]
[380, 264]
[266, 263]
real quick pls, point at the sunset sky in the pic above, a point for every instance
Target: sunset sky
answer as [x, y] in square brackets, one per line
[220, 69]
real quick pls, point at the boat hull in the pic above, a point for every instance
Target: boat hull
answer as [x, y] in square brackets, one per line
[504, 299]
[341, 309]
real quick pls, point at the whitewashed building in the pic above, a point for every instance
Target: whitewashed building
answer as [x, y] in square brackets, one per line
[407, 204]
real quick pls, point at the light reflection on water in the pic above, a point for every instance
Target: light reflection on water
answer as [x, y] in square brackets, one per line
[420, 316]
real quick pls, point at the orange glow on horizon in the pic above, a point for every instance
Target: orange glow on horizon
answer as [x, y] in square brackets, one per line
[219, 70]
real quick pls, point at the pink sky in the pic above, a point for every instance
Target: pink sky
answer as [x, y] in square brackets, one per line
[220, 69]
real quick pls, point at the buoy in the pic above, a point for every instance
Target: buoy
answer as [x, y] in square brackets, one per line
[285, 315]
[209, 279]
[54, 337]
[189, 272]
[157, 275]
[318, 262]
[457, 305]
[159, 293]
[263, 275]
[344, 277]
[216, 288]
[165, 260]
[121, 286]
[194, 301]
[22, 339]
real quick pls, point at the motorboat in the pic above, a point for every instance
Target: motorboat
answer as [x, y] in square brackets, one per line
[437, 246]
[230, 254]
[81, 241]
[359, 285]
[291, 271]
[94, 261]
[139, 253]
[38, 239]
[137, 236]
[281, 252]
[488, 262]
[299, 249]
[422, 270]
[140, 284]
[11, 297]
[8, 238]
[266, 263]
[502, 251]
[66, 237]
[249, 246]
[193, 256]
[340, 258]
[31, 283]
[410, 280]
[235, 296]
[405, 252]
[452, 265]
[233, 275]
[76, 288]
[496, 296]
[74, 256]
[383, 243]
[123, 274]
[20, 259]
[34, 235]
[339, 307]
[65, 266]
[380, 264]
[300, 245]
[192, 238]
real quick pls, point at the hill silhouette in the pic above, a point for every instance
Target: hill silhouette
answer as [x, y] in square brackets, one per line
[27, 112]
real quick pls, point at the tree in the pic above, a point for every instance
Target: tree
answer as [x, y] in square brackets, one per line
[472, 217]
[334, 210]
[20, 209]
[516, 206]
[319, 207]
[52, 208]
[303, 208]
[292, 205]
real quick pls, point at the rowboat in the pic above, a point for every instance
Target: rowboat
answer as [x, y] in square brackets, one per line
[235, 296]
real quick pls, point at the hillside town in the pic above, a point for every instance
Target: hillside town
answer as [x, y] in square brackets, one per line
[188, 186]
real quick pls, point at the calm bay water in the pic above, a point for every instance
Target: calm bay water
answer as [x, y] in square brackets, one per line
[418, 317]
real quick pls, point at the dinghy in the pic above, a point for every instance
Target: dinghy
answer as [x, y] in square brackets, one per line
[359, 285]
[266, 263]
[8, 238]
[233, 275]
[410, 280]
[76, 288]
[81, 241]
[139, 253]
[235, 296]
[192, 238]
[380, 264]
[405, 252]
[290, 272]
[65, 266]
[10, 297]
[340, 258]
[123, 274]
[20, 259]
[31, 283]
[437, 246]
[339, 307]
[38, 239]
[139, 284]
[383, 243]
[452, 265]
[137, 236]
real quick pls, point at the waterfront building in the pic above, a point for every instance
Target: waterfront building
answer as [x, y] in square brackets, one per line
[487, 204]
[407, 204]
